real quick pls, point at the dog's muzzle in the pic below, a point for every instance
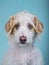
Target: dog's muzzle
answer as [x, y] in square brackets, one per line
[22, 39]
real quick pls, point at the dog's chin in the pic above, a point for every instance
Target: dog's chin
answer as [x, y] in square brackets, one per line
[19, 44]
[22, 43]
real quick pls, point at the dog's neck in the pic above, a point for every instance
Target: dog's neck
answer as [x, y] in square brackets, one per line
[22, 48]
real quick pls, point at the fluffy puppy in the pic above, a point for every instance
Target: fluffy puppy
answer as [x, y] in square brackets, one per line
[22, 30]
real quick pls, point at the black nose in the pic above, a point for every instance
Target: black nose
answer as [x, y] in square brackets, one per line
[22, 39]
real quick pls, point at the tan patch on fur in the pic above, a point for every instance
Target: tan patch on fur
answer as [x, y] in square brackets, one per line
[38, 25]
[10, 24]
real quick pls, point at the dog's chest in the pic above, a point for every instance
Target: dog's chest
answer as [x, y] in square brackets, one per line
[21, 58]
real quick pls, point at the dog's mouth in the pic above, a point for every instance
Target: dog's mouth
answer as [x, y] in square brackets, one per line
[23, 39]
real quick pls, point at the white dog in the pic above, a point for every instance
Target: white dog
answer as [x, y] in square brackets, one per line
[22, 30]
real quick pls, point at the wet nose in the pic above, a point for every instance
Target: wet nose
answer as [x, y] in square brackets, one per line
[23, 39]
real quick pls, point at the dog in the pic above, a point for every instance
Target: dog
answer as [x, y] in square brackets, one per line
[22, 30]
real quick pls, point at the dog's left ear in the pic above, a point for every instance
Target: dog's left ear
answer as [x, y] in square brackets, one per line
[38, 26]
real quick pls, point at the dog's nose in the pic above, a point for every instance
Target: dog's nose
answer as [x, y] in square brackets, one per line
[22, 39]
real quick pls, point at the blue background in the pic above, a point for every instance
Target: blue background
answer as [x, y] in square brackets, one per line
[37, 7]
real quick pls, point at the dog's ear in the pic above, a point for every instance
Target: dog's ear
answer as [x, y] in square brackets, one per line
[9, 25]
[38, 25]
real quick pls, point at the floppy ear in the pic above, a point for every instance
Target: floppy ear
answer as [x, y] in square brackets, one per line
[9, 25]
[38, 25]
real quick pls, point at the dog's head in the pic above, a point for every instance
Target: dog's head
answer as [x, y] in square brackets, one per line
[23, 28]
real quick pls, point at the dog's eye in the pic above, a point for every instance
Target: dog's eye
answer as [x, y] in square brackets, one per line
[17, 26]
[30, 26]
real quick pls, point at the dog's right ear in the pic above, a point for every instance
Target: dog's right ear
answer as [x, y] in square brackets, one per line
[9, 25]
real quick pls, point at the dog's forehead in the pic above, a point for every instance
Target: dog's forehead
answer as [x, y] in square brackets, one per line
[24, 18]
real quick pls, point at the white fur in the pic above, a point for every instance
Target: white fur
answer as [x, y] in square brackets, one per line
[18, 53]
